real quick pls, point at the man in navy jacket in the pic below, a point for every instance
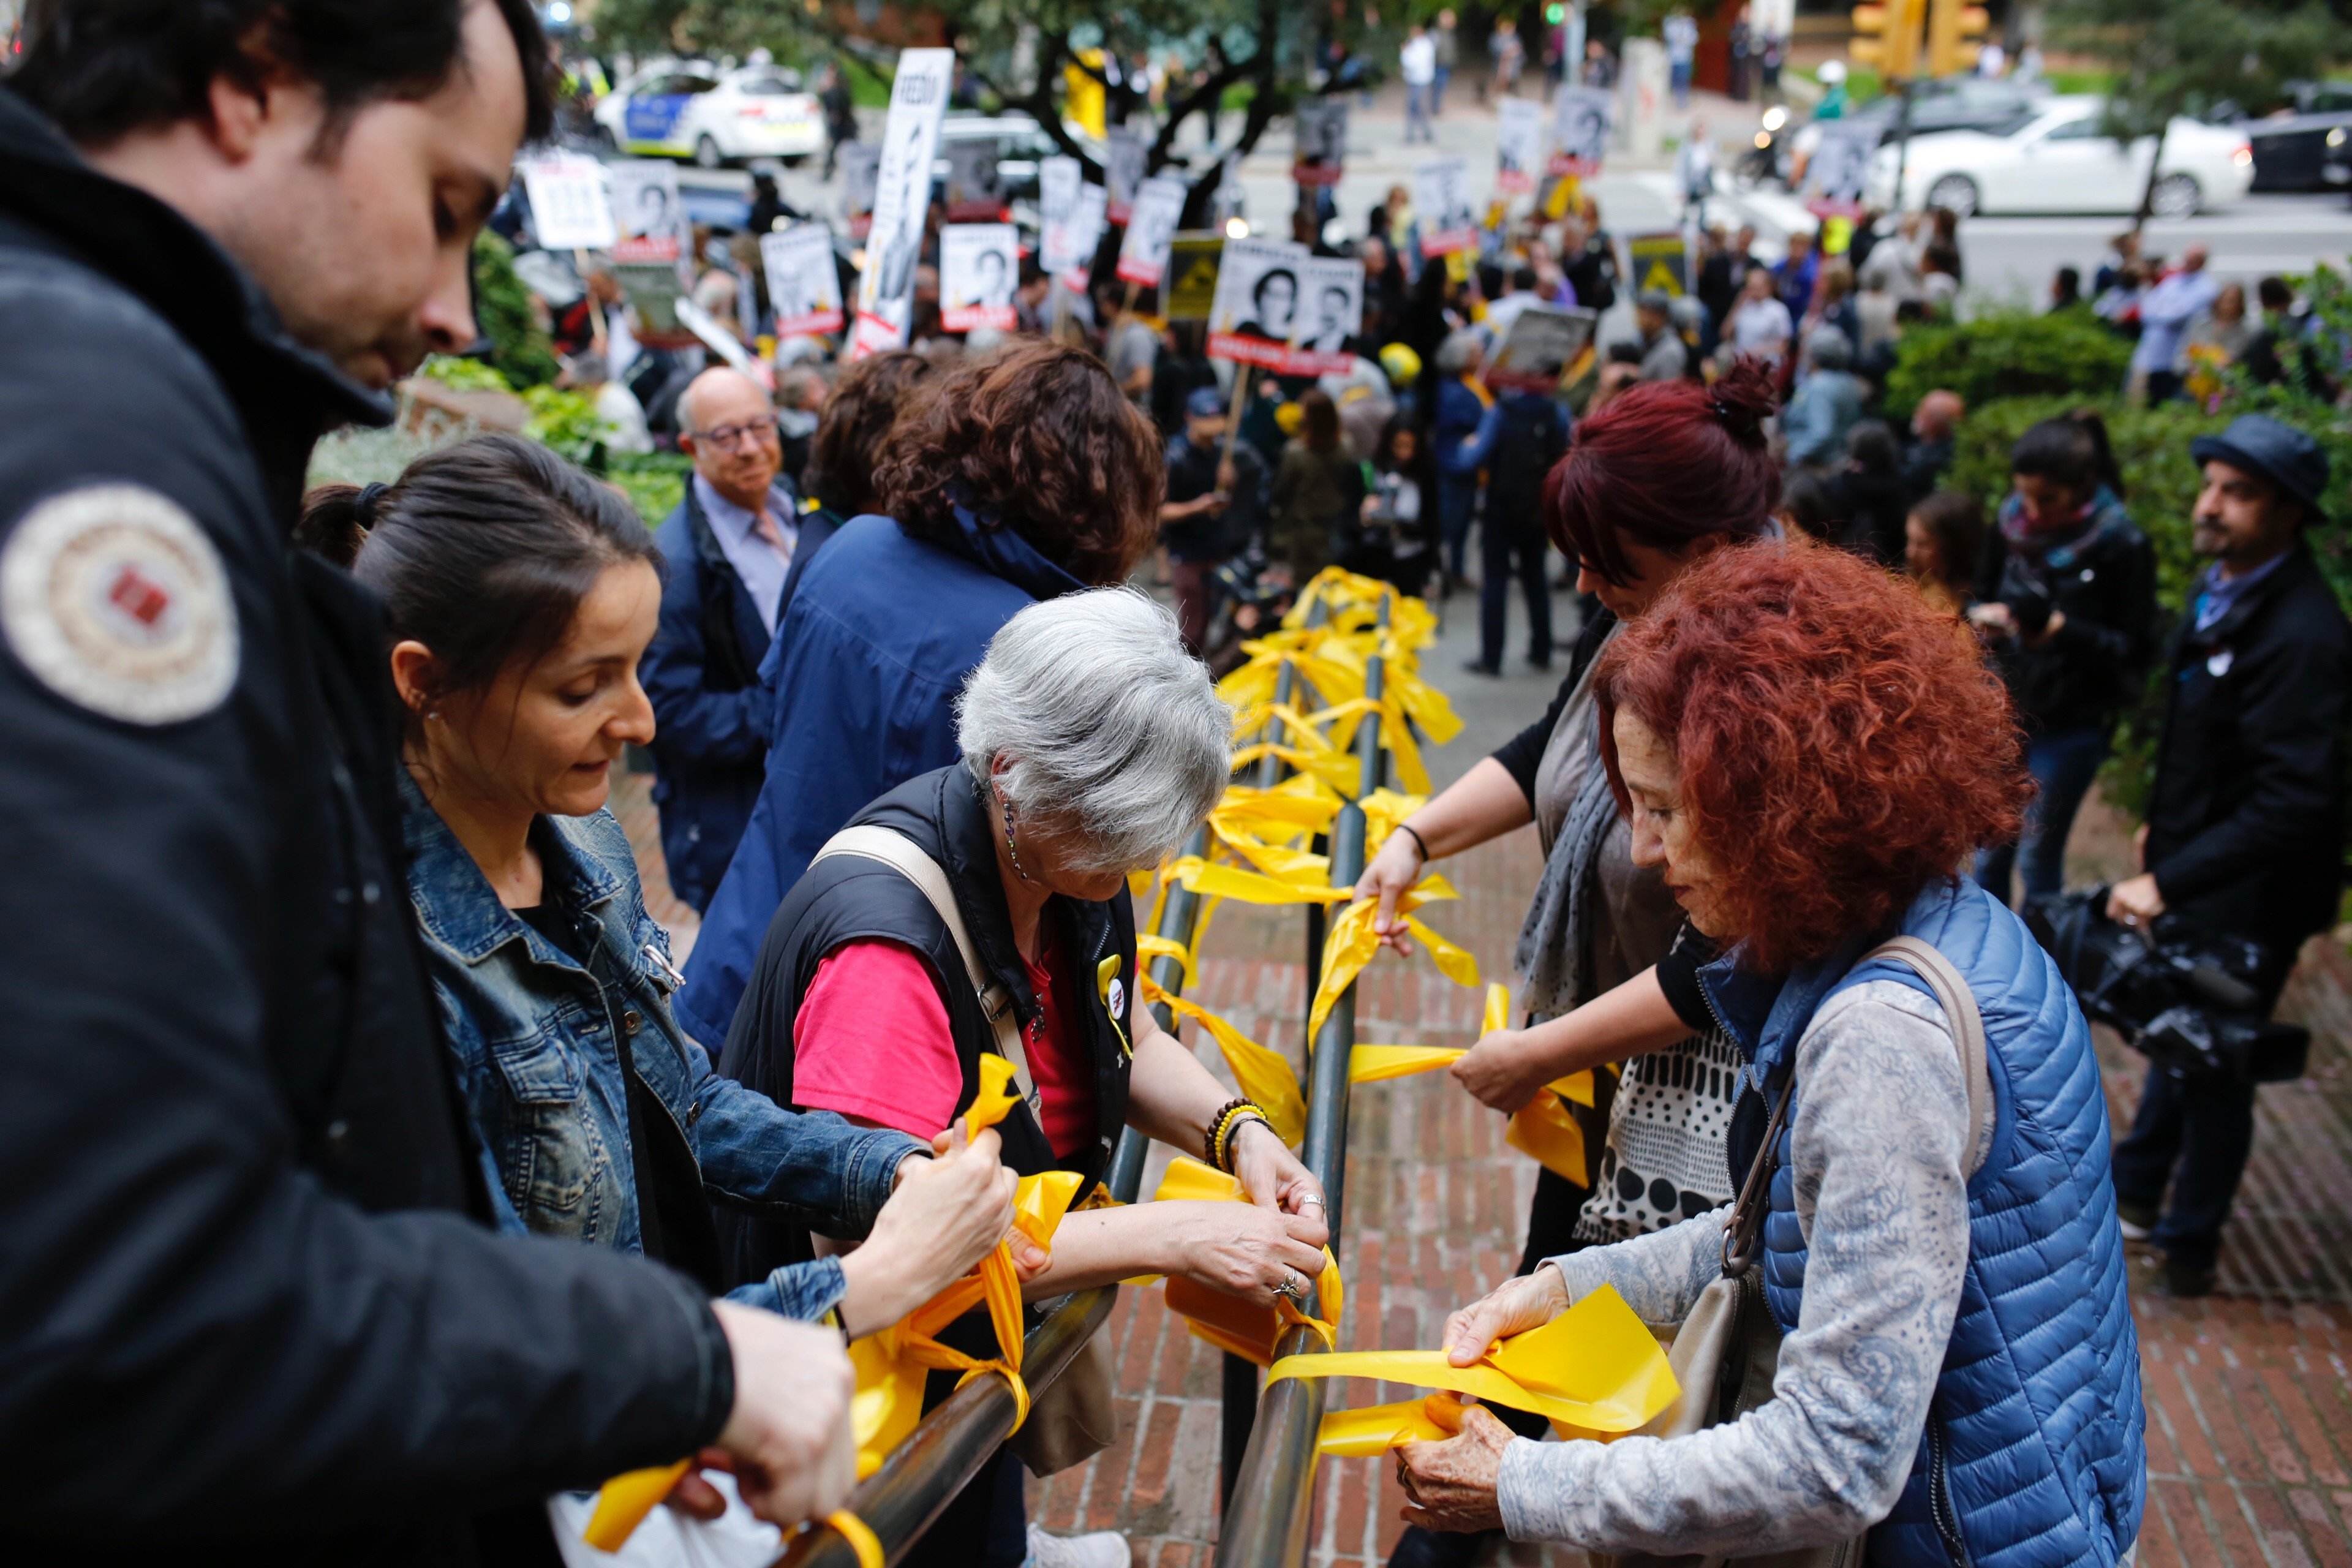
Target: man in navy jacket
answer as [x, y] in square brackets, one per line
[728, 546]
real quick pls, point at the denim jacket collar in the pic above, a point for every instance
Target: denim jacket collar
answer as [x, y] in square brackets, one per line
[464, 914]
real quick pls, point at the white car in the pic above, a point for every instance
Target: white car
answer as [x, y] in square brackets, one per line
[2059, 162]
[714, 117]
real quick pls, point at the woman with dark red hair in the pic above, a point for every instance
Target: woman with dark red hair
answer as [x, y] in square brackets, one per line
[1660, 479]
[1925, 1248]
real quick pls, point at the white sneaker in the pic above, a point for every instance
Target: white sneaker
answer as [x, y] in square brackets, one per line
[1103, 1549]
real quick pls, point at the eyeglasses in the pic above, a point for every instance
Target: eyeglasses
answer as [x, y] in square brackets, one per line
[728, 436]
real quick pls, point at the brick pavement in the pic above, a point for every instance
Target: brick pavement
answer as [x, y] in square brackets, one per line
[2250, 1392]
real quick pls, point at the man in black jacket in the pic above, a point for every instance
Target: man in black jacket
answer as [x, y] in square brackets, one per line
[249, 1297]
[2245, 831]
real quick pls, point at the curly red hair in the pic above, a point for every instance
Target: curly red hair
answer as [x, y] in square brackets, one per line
[1841, 744]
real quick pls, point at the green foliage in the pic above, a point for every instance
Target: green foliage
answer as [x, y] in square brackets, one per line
[459, 374]
[519, 344]
[2007, 354]
[654, 482]
[565, 422]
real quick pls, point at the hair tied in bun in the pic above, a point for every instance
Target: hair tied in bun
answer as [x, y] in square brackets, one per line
[363, 506]
[1741, 399]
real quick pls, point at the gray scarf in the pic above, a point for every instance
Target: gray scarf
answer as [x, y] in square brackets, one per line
[1555, 942]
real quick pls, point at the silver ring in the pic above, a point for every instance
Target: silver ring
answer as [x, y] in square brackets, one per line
[1316, 1201]
[1297, 1293]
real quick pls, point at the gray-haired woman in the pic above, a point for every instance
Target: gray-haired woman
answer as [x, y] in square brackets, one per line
[1093, 745]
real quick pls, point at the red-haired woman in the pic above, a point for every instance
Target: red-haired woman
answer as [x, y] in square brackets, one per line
[1659, 480]
[1812, 753]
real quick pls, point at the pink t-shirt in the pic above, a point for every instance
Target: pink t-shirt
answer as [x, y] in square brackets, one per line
[872, 1040]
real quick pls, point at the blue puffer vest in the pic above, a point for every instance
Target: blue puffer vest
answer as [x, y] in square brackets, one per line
[2035, 1453]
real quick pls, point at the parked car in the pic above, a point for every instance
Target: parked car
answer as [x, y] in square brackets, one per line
[1937, 105]
[2291, 145]
[2059, 162]
[684, 111]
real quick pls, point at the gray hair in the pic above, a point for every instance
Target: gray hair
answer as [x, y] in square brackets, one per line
[1455, 354]
[1830, 348]
[1106, 726]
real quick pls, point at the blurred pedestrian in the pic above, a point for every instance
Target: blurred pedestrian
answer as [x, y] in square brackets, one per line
[2166, 313]
[1318, 489]
[1680, 31]
[1417, 66]
[1942, 537]
[1216, 501]
[1935, 430]
[1826, 404]
[1449, 57]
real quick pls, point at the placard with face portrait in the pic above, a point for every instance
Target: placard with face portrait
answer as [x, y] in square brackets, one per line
[1319, 130]
[1058, 180]
[1150, 230]
[979, 264]
[1123, 155]
[648, 218]
[803, 287]
[1519, 144]
[894, 245]
[1284, 309]
[1540, 343]
[1581, 119]
[1839, 170]
[861, 175]
[1087, 221]
[1440, 204]
[974, 189]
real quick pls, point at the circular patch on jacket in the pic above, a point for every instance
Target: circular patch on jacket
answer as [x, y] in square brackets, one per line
[114, 596]
[1117, 1000]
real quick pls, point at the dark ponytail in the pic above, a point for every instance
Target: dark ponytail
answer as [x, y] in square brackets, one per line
[482, 551]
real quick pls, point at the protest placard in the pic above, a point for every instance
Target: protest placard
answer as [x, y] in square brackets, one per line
[648, 218]
[1150, 227]
[886, 290]
[1661, 260]
[1441, 204]
[979, 263]
[568, 207]
[1123, 155]
[861, 172]
[1319, 130]
[1580, 118]
[1058, 180]
[1519, 144]
[1538, 345]
[1087, 221]
[975, 192]
[1839, 170]
[803, 287]
[1281, 309]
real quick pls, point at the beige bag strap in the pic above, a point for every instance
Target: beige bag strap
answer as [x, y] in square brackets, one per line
[1960, 1004]
[871, 841]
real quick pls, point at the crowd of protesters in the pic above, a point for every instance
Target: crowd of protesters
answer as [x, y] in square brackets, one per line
[357, 1224]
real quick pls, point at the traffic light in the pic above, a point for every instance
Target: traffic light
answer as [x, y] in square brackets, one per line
[1887, 36]
[1953, 30]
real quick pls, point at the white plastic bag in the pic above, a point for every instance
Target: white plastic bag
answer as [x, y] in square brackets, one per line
[667, 1538]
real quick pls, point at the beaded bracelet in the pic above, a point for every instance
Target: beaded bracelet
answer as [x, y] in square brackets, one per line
[1215, 1141]
[1233, 1124]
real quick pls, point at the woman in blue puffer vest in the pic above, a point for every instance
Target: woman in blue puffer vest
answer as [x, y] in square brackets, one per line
[1813, 756]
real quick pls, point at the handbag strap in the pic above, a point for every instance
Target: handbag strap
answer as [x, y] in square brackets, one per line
[871, 841]
[1960, 1004]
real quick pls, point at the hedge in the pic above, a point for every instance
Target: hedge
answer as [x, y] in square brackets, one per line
[2008, 354]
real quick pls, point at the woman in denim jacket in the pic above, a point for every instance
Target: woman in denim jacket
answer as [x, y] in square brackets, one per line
[520, 595]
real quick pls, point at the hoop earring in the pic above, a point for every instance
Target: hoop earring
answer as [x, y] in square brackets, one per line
[1018, 869]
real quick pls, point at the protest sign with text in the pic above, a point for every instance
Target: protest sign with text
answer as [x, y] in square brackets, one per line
[803, 289]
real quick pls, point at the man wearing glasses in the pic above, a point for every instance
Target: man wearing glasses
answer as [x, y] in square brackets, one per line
[728, 546]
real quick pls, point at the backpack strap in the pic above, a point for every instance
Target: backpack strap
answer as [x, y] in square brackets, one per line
[871, 841]
[1960, 1004]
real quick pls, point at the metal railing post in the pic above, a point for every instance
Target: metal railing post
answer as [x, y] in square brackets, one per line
[1272, 1510]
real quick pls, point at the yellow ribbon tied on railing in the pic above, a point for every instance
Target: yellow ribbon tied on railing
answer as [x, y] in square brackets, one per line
[1352, 942]
[1544, 1127]
[1595, 1370]
[1247, 1329]
[1264, 1076]
[1211, 879]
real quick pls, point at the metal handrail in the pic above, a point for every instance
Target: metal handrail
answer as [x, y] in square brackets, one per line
[1268, 1515]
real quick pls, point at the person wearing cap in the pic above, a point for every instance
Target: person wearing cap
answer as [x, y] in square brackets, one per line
[1664, 356]
[1215, 500]
[2245, 827]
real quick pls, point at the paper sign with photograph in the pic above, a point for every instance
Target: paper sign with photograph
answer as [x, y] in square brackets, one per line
[1123, 155]
[1440, 204]
[1580, 118]
[1839, 169]
[861, 172]
[885, 290]
[1318, 130]
[648, 218]
[1519, 144]
[979, 264]
[651, 289]
[974, 192]
[1540, 343]
[1058, 200]
[804, 288]
[1087, 221]
[1283, 309]
[1150, 229]
[568, 207]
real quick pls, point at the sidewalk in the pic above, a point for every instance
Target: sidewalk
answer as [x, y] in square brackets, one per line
[2250, 1392]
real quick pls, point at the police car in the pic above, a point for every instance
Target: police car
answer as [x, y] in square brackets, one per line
[682, 109]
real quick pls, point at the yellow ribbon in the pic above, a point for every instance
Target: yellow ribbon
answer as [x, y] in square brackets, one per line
[1264, 1076]
[1352, 942]
[1595, 1370]
[1148, 948]
[1376, 1428]
[1213, 880]
[1245, 1327]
